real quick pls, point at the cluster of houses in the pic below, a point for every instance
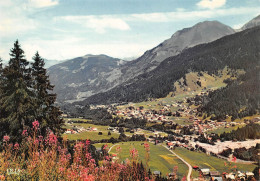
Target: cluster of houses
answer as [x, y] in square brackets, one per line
[78, 129]
[210, 125]
[164, 115]
[149, 115]
[207, 174]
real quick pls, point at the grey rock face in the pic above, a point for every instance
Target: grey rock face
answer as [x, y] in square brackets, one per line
[253, 23]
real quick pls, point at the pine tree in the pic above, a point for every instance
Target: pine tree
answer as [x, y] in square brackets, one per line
[46, 113]
[17, 103]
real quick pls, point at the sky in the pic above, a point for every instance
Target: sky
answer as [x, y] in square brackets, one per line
[65, 29]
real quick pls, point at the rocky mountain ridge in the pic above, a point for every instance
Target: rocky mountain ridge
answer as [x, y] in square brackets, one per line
[74, 81]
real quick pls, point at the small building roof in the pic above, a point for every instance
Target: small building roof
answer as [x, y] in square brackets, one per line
[214, 173]
[156, 172]
[217, 178]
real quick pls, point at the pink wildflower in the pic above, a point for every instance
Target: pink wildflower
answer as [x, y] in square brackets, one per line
[35, 124]
[134, 153]
[40, 138]
[52, 139]
[25, 133]
[183, 178]
[88, 156]
[61, 169]
[147, 146]
[6, 138]
[87, 142]
[107, 158]
[36, 142]
[118, 149]
[105, 147]
[79, 145]
[16, 146]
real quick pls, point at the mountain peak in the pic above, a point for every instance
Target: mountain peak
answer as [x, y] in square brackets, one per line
[252, 23]
[92, 55]
[213, 29]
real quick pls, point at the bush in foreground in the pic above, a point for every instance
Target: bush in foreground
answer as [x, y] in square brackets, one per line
[39, 158]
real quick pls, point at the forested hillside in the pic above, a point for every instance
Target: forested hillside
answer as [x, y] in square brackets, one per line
[238, 99]
[237, 51]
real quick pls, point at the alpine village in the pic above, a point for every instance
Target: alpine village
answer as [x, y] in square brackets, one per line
[186, 110]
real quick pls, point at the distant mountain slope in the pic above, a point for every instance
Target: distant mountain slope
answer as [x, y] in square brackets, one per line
[253, 23]
[83, 76]
[200, 33]
[237, 51]
[80, 78]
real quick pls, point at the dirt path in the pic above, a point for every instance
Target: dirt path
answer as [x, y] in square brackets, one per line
[190, 167]
[112, 147]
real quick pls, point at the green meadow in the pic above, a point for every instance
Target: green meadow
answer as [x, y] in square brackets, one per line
[160, 158]
[92, 135]
[205, 161]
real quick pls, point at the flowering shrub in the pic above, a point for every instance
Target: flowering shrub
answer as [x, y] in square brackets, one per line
[39, 158]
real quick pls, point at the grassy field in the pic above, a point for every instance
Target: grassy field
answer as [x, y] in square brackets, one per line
[181, 120]
[160, 158]
[76, 119]
[205, 161]
[227, 130]
[92, 135]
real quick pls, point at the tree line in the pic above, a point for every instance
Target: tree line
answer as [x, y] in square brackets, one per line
[26, 95]
[250, 131]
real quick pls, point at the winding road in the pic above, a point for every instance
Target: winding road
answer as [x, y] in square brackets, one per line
[190, 167]
[112, 147]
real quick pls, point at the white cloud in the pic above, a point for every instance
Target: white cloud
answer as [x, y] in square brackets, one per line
[42, 3]
[98, 23]
[211, 4]
[190, 15]
[13, 19]
[120, 22]
[74, 47]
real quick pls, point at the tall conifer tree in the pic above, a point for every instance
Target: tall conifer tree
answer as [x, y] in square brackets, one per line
[17, 100]
[46, 112]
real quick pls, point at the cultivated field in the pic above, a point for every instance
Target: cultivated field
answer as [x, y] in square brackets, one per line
[160, 158]
[205, 161]
[92, 135]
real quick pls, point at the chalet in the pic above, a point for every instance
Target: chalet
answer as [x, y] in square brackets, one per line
[171, 175]
[241, 175]
[249, 174]
[64, 115]
[205, 171]
[157, 173]
[216, 178]
[214, 173]
[230, 176]
[94, 129]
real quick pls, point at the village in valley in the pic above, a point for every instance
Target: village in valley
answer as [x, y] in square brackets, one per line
[186, 130]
